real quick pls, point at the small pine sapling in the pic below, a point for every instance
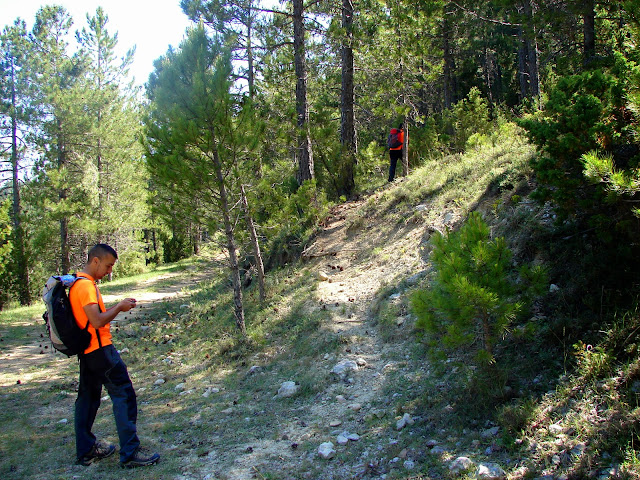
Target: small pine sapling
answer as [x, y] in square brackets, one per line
[475, 294]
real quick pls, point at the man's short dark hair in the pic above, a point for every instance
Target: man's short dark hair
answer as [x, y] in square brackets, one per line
[101, 250]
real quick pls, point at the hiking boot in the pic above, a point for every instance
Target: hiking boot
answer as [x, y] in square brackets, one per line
[98, 452]
[141, 458]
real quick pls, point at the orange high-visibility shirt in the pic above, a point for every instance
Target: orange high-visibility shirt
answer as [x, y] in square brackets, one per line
[86, 293]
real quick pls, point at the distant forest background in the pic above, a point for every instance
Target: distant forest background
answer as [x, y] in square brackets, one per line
[265, 116]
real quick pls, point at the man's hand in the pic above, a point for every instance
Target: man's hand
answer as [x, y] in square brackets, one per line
[127, 304]
[100, 319]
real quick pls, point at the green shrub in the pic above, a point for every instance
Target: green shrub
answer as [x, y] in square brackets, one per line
[475, 294]
[584, 112]
[129, 263]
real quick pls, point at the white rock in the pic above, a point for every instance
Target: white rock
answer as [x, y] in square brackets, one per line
[555, 429]
[491, 471]
[342, 368]
[460, 465]
[287, 389]
[356, 407]
[341, 399]
[185, 306]
[63, 421]
[326, 450]
[124, 350]
[354, 437]
[404, 421]
[409, 464]
[553, 288]
[361, 362]
[180, 387]
[342, 439]
[323, 277]
[227, 411]
[159, 381]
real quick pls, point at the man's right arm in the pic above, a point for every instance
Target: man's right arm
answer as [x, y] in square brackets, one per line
[100, 319]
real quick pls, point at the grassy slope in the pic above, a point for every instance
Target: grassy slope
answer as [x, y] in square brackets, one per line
[225, 423]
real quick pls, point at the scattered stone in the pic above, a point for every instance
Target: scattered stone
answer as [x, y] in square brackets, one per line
[361, 362]
[342, 439]
[553, 288]
[409, 464]
[159, 381]
[180, 387]
[327, 450]
[341, 399]
[491, 471]
[287, 389]
[490, 432]
[437, 450]
[461, 464]
[207, 393]
[63, 421]
[343, 368]
[354, 437]
[555, 429]
[579, 449]
[335, 423]
[227, 411]
[185, 306]
[356, 407]
[323, 277]
[124, 350]
[404, 421]
[400, 321]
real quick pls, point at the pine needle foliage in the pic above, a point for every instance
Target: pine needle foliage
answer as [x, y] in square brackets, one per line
[475, 294]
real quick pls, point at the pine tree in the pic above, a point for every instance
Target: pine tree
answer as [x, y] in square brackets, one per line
[195, 134]
[15, 112]
[474, 296]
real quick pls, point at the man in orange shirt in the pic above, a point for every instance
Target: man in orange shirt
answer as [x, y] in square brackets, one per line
[100, 364]
[395, 144]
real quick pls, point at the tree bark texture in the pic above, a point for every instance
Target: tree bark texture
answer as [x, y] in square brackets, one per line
[256, 244]
[238, 309]
[347, 124]
[304, 150]
[20, 254]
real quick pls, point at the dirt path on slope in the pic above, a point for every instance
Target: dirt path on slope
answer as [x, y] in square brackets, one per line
[351, 275]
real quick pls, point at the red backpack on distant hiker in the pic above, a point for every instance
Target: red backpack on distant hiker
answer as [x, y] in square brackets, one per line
[393, 141]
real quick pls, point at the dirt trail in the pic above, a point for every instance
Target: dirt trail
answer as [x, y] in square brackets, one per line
[350, 279]
[20, 362]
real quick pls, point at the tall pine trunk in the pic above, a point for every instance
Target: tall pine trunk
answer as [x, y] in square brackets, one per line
[304, 150]
[238, 309]
[19, 250]
[65, 260]
[347, 124]
[255, 243]
[589, 19]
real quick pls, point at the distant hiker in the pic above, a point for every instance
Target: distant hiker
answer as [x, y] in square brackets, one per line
[395, 142]
[100, 364]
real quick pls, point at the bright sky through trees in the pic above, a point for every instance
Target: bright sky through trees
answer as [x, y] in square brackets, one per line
[150, 25]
